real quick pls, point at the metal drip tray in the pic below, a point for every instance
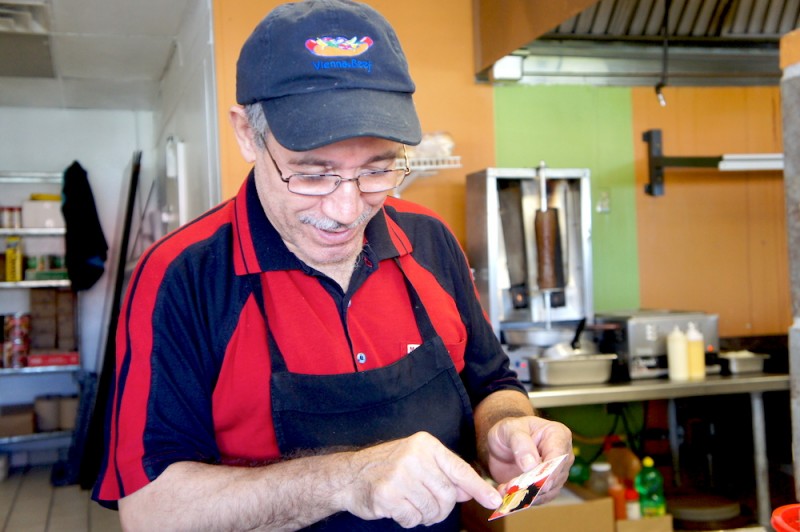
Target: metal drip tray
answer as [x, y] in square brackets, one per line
[576, 369]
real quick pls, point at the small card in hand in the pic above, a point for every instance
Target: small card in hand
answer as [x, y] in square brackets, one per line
[524, 490]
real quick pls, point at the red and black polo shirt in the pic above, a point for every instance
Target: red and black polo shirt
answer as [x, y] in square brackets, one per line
[193, 372]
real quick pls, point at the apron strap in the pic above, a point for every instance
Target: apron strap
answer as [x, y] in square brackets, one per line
[275, 356]
[424, 324]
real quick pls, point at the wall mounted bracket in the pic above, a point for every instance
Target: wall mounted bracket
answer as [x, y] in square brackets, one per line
[656, 162]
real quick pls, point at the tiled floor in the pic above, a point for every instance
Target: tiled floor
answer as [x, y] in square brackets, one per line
[29, 503]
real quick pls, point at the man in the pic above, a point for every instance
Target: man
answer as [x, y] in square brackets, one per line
[312, 353]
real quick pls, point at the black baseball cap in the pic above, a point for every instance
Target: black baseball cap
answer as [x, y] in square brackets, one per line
[326, 71]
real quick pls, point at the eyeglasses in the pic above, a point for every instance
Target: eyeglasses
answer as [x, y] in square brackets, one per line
[324, 184]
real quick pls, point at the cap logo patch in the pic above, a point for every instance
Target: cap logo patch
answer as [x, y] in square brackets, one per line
[338, 46]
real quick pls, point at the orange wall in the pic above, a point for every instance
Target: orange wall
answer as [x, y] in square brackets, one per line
[715, 241]
[437, 39]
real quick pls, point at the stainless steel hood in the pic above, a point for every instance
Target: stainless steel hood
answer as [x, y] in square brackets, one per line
[621, 42]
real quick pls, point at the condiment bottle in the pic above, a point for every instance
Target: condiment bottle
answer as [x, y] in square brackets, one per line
[14, 259]
[632, 509]
[697, 355]
[600, 478]
[624, 463]
[617, 492]
[677, 355]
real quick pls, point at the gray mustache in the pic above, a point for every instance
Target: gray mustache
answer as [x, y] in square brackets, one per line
[327, 224]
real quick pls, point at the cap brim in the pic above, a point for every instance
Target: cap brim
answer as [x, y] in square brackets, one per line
[307, 121]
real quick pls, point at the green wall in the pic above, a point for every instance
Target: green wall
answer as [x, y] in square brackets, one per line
[581, 127]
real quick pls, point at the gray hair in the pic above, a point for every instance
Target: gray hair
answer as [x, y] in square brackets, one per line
[258, 123]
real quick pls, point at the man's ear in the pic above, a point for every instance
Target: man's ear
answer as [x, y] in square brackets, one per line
[244, 133]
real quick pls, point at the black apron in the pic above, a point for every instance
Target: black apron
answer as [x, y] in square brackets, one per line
[420, 392]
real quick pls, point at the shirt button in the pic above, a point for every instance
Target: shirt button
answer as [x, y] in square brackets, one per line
[361, 357]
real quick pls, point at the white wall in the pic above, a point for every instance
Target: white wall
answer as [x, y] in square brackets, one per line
[188, 114]
[103, 142]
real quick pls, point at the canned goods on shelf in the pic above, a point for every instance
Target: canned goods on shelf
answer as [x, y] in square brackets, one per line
[15, 354]
[13, 259]
[16, 217]
[11, 217]
[17, 325]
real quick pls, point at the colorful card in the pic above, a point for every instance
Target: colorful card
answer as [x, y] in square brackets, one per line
[524, 490]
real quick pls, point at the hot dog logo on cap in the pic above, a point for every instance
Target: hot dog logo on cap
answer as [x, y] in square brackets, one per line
[338, 46]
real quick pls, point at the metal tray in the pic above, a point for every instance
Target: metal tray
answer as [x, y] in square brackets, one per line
[742, 362]
[577, 369]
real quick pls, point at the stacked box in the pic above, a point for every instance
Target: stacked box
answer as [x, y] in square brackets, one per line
[68, 412]
[65, 321]
[43, 318]
[16, 420]
[55, 412]
[46, 408]
[38, 213]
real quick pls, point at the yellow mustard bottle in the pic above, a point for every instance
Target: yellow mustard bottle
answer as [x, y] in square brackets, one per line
[696, 352]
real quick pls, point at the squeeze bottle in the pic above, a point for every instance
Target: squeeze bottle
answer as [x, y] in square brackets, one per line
[697, 355]
[617, 492]
[677, 355]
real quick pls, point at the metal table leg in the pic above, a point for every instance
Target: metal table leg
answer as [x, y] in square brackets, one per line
[674, 443]
[760, 449]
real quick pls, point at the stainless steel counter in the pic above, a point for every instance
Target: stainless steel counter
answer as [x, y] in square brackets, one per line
[650, 389]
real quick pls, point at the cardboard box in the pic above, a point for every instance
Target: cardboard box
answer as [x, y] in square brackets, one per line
[649, 524]
[68, 412]
[53, 359]
[575, 509]
[38, 213]
[16, 420]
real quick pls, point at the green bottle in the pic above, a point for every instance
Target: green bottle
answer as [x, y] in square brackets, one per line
[650, 485]
[580, 470]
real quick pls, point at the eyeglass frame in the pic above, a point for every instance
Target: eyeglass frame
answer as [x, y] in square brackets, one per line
[406, 171]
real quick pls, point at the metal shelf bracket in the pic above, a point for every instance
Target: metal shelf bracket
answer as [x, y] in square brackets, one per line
[657, 162]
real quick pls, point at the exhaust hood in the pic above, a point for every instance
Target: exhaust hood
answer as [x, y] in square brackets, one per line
[622, 42]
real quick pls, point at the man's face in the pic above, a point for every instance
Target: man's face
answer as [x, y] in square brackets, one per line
[325, 232]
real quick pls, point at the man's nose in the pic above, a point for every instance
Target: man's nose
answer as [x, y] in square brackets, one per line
[344, 204]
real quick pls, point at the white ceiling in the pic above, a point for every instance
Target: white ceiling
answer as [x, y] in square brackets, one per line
[105, 54]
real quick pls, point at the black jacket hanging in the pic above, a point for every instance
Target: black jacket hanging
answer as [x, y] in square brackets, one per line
[86, 245]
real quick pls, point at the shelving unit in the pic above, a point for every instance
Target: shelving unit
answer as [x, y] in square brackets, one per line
[50, 440]
[39, 441]
[35, 178]
[426, 167]
[72, 368]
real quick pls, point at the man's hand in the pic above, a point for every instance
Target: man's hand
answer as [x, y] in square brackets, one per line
[414, 481]
[518, 444]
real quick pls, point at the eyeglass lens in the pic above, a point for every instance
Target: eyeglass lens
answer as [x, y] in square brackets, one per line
[322, 184]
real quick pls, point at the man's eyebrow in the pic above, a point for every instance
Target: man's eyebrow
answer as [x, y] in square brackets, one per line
[313, 160]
